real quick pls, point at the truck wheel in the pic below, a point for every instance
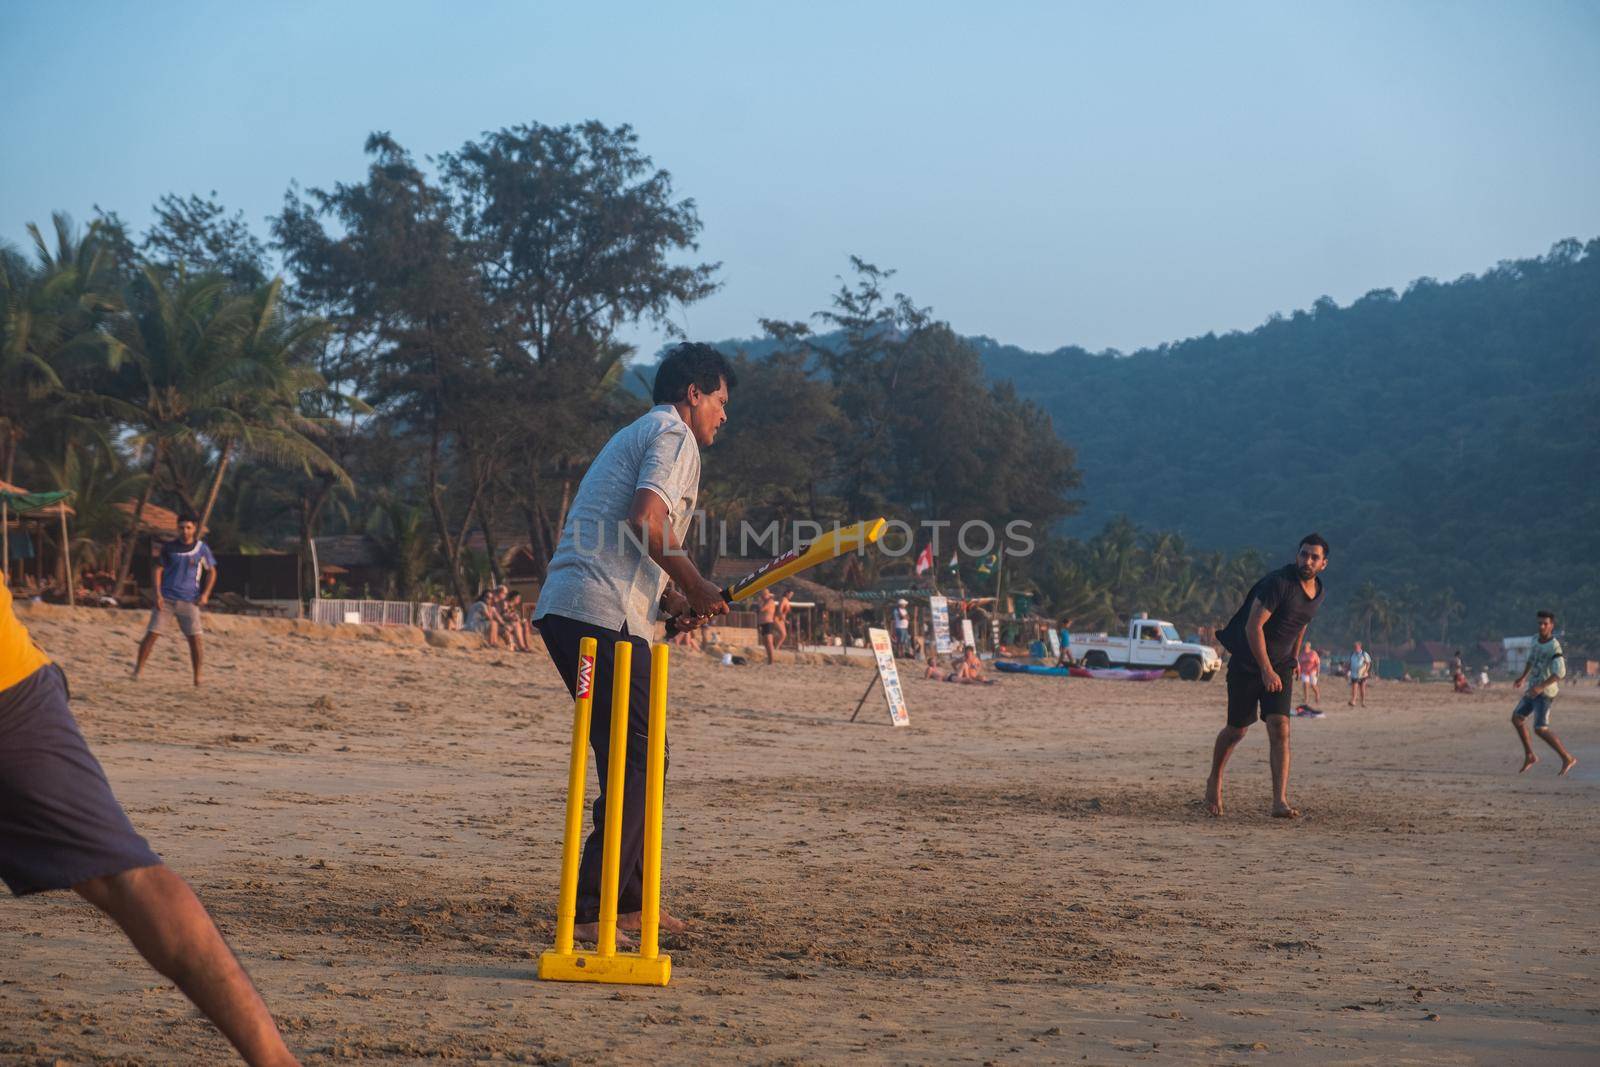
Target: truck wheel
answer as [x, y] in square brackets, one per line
[1206, 677]
[1096, 659]
[1189, 668]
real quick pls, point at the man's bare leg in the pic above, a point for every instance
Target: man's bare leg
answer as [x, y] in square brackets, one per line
[1228, 739]
[1278, 738]
[1316, 693]
[1528, 756]
[766, 642]
[168, 925]
[145, 646]
[195, 657]
[1548, 736]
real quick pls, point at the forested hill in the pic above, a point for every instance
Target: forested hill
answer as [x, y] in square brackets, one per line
[1450, 434]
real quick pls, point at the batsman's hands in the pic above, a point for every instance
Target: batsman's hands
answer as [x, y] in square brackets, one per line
[705, 600]
[675, 606]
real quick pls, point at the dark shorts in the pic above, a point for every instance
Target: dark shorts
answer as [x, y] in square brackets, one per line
[1247, 693]
[1537, 706]
[767, 629]
[59, 823]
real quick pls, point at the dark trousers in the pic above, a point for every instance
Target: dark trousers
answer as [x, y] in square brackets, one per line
[561, 636]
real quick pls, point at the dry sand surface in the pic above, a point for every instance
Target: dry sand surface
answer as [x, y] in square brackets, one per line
[1024, 875]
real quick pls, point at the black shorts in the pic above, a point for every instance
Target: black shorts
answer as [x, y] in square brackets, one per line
[767, 629]
[59, 823]
[1247, 692]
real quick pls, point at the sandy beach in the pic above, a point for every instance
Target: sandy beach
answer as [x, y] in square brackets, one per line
[1024, 875]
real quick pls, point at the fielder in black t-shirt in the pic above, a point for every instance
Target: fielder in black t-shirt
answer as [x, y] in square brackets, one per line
[1264, 638]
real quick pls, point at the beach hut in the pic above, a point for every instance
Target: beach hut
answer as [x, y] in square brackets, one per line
[36, 508]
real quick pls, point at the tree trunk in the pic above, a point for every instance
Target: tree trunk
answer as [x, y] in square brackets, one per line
[488, 539]
[180, 486]
[310, 513]
[452, 552]
[125, 564]
[536, 543]
[216, 484]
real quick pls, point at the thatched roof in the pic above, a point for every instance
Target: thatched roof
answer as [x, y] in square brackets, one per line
[155, 519]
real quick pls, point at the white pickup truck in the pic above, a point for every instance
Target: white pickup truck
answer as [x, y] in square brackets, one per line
[1150, 643]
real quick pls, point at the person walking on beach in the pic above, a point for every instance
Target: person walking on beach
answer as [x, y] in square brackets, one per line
[1543, 672]
[767, 621]
[1360, 669]
[608, 579]
[1264, 637]
[179, 595]
[1308, 666]
[785, 606]
[61, 828]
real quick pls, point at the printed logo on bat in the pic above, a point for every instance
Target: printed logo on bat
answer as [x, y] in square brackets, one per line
[585, 676]
[788, 557]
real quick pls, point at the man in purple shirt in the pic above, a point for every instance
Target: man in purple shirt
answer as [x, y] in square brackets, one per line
[177, 583]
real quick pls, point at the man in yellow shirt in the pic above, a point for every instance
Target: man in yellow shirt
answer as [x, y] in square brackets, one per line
[61, 828]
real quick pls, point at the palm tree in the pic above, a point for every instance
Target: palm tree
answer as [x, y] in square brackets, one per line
[1446, 608]
[259, 411]
[1371, 607]
[399, 531]
[98, 480]
[212, 369]
[50, 318]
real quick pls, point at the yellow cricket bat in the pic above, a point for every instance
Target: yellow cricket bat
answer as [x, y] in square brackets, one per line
[830, 545]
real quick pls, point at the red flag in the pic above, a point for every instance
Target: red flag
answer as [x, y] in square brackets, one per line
[925, 560]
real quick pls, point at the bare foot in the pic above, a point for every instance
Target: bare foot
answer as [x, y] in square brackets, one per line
[1213, 798]
[591, 932]
[1352, 703]
[669, 923]
[1281, 810]
[1569, 763]
[1528, 761]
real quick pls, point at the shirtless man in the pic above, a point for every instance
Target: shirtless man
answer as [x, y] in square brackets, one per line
[784, 607]
[767, 621]
[1264, 637]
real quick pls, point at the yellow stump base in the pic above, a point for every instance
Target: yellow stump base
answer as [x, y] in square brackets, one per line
[625, 968]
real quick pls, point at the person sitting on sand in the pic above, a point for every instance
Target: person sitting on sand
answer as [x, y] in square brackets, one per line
[969, 670]
[482, 618]
[62, 828]
[934, 669]
[1264, 637]
[516, 625]
[1545, 668]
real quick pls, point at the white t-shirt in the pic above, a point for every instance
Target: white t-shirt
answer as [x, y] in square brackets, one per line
[600, 573]
[1360, 665]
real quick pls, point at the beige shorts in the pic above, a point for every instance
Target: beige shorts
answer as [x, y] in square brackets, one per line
[187, 614]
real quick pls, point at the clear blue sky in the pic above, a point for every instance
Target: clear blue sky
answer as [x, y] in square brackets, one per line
[1046, 173]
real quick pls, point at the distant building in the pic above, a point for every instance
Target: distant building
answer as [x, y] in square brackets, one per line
[1517, 651]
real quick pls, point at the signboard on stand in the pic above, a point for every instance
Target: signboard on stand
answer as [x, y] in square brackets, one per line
[889, 677]
[939, 609]
[967, 636]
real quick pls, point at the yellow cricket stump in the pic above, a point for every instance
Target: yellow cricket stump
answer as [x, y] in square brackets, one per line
[647, 966]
